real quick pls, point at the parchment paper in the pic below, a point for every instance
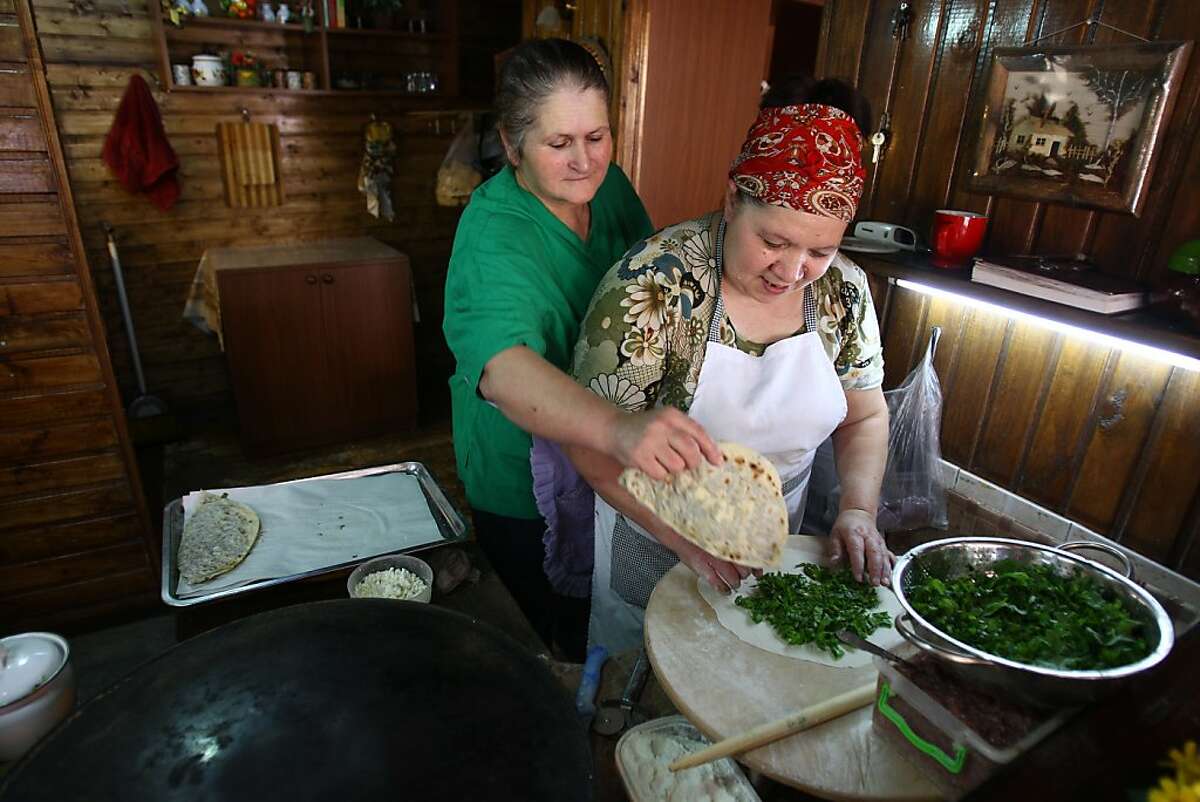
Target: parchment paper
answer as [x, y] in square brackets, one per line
[321, 523]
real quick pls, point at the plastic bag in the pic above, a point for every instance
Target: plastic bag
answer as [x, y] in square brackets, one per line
[912, 495]
[460, 172]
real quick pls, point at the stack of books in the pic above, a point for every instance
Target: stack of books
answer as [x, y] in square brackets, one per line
[335, 13]
[1062, 282]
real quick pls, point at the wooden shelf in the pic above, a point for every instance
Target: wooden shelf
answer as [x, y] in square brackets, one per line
[388, 34]
[235, 24]
[1139, 326]
[330, 53]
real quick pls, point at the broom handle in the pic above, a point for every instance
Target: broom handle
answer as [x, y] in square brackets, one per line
[774, 730]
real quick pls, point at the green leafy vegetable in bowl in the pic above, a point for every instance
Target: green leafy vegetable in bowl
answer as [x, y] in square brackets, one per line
[813, 606]
[1030, 614]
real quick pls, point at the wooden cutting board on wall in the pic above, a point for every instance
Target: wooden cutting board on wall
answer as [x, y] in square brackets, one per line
[249, 157]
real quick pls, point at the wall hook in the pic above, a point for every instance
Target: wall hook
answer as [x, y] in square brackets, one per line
[245, 115]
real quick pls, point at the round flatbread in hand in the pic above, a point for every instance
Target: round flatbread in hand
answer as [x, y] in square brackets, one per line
[217, 536]
[734, 511]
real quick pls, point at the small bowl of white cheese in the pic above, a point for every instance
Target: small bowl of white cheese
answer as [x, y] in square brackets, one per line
[393, 576]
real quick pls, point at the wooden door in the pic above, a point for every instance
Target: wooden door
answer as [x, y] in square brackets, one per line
[691, 84]
[367, 311]
[273, 336]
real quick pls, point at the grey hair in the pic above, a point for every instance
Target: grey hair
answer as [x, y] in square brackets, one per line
[534, 71]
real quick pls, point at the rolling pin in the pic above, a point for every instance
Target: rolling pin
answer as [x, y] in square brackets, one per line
[772, 731]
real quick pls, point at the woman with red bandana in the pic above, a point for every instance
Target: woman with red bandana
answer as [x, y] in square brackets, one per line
[749, 320]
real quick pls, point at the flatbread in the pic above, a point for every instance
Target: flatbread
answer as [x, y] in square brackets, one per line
[734, 511]
[216, 537]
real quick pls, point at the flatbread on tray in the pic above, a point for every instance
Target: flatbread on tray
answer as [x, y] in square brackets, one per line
[734, 511]
[216, 537]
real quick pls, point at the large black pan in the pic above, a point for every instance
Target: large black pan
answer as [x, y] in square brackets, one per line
[340, 700]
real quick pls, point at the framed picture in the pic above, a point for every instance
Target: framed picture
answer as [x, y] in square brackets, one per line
[1078, 125]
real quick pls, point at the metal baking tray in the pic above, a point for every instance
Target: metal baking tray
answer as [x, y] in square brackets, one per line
[448, 521]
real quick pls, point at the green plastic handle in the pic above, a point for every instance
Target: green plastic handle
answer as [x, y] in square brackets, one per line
[954, 765]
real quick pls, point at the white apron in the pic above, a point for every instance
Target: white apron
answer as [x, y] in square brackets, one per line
[783, 404]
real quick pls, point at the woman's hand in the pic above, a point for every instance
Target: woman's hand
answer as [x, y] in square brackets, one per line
[660, 442]
[857, 543]
[723, 576]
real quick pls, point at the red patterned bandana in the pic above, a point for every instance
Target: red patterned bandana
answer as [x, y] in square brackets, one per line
[807, 158]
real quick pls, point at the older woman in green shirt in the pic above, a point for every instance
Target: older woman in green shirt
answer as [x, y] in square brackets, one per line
[531, 246]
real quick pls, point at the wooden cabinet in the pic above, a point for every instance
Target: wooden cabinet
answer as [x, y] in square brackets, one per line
[75, 538]
[320, 341]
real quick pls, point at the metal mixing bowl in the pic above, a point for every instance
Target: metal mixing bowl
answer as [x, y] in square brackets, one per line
[946, 559]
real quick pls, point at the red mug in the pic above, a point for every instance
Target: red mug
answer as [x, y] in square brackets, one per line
[957, 236]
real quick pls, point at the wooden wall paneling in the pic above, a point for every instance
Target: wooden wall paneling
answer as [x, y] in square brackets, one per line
[1168, 484]
[40, 297]
[1141, 246]
[18, 411]
[55, 438]
[65, 570]
[953, 72]
[26, 175]
[1021, 377]
[42, 477]
[968, 389]
[32, 218]
[20, 130]
[901, 333]
[1118, 433]
[11, 46]
[950, 317]
[20, 333]
[15, 88]
[29, 256]
[27, 545]
[1013, 227]
[104, 500]
[892, 177]
[78, 602]
[844, 33]
[23, 373]
[1057, 434]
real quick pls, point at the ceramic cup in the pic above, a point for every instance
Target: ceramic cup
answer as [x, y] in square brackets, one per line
[295, 79]
[956, 237]
[182, 74]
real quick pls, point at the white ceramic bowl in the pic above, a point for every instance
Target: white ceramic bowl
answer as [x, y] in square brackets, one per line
[413, 564]
[37, 690]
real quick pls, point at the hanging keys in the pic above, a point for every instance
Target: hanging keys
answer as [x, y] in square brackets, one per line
[901, 18]
[877, 140]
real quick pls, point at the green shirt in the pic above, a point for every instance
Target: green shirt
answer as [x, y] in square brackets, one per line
[645, 335]
[519, 276]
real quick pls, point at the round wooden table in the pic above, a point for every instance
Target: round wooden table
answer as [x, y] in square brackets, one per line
[726, 686]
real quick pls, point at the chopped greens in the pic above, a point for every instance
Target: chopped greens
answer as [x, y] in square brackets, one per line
[814, 605]
[1030, 614]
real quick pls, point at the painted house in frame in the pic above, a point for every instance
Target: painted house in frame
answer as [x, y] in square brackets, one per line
[1039, 137]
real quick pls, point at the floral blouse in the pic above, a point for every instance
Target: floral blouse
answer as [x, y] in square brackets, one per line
[643, 340]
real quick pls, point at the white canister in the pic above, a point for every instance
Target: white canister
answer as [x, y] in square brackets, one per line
[295, 79]
[208, 71]
[182, 74]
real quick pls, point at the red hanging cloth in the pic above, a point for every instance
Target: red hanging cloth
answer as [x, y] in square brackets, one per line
[137, 150]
